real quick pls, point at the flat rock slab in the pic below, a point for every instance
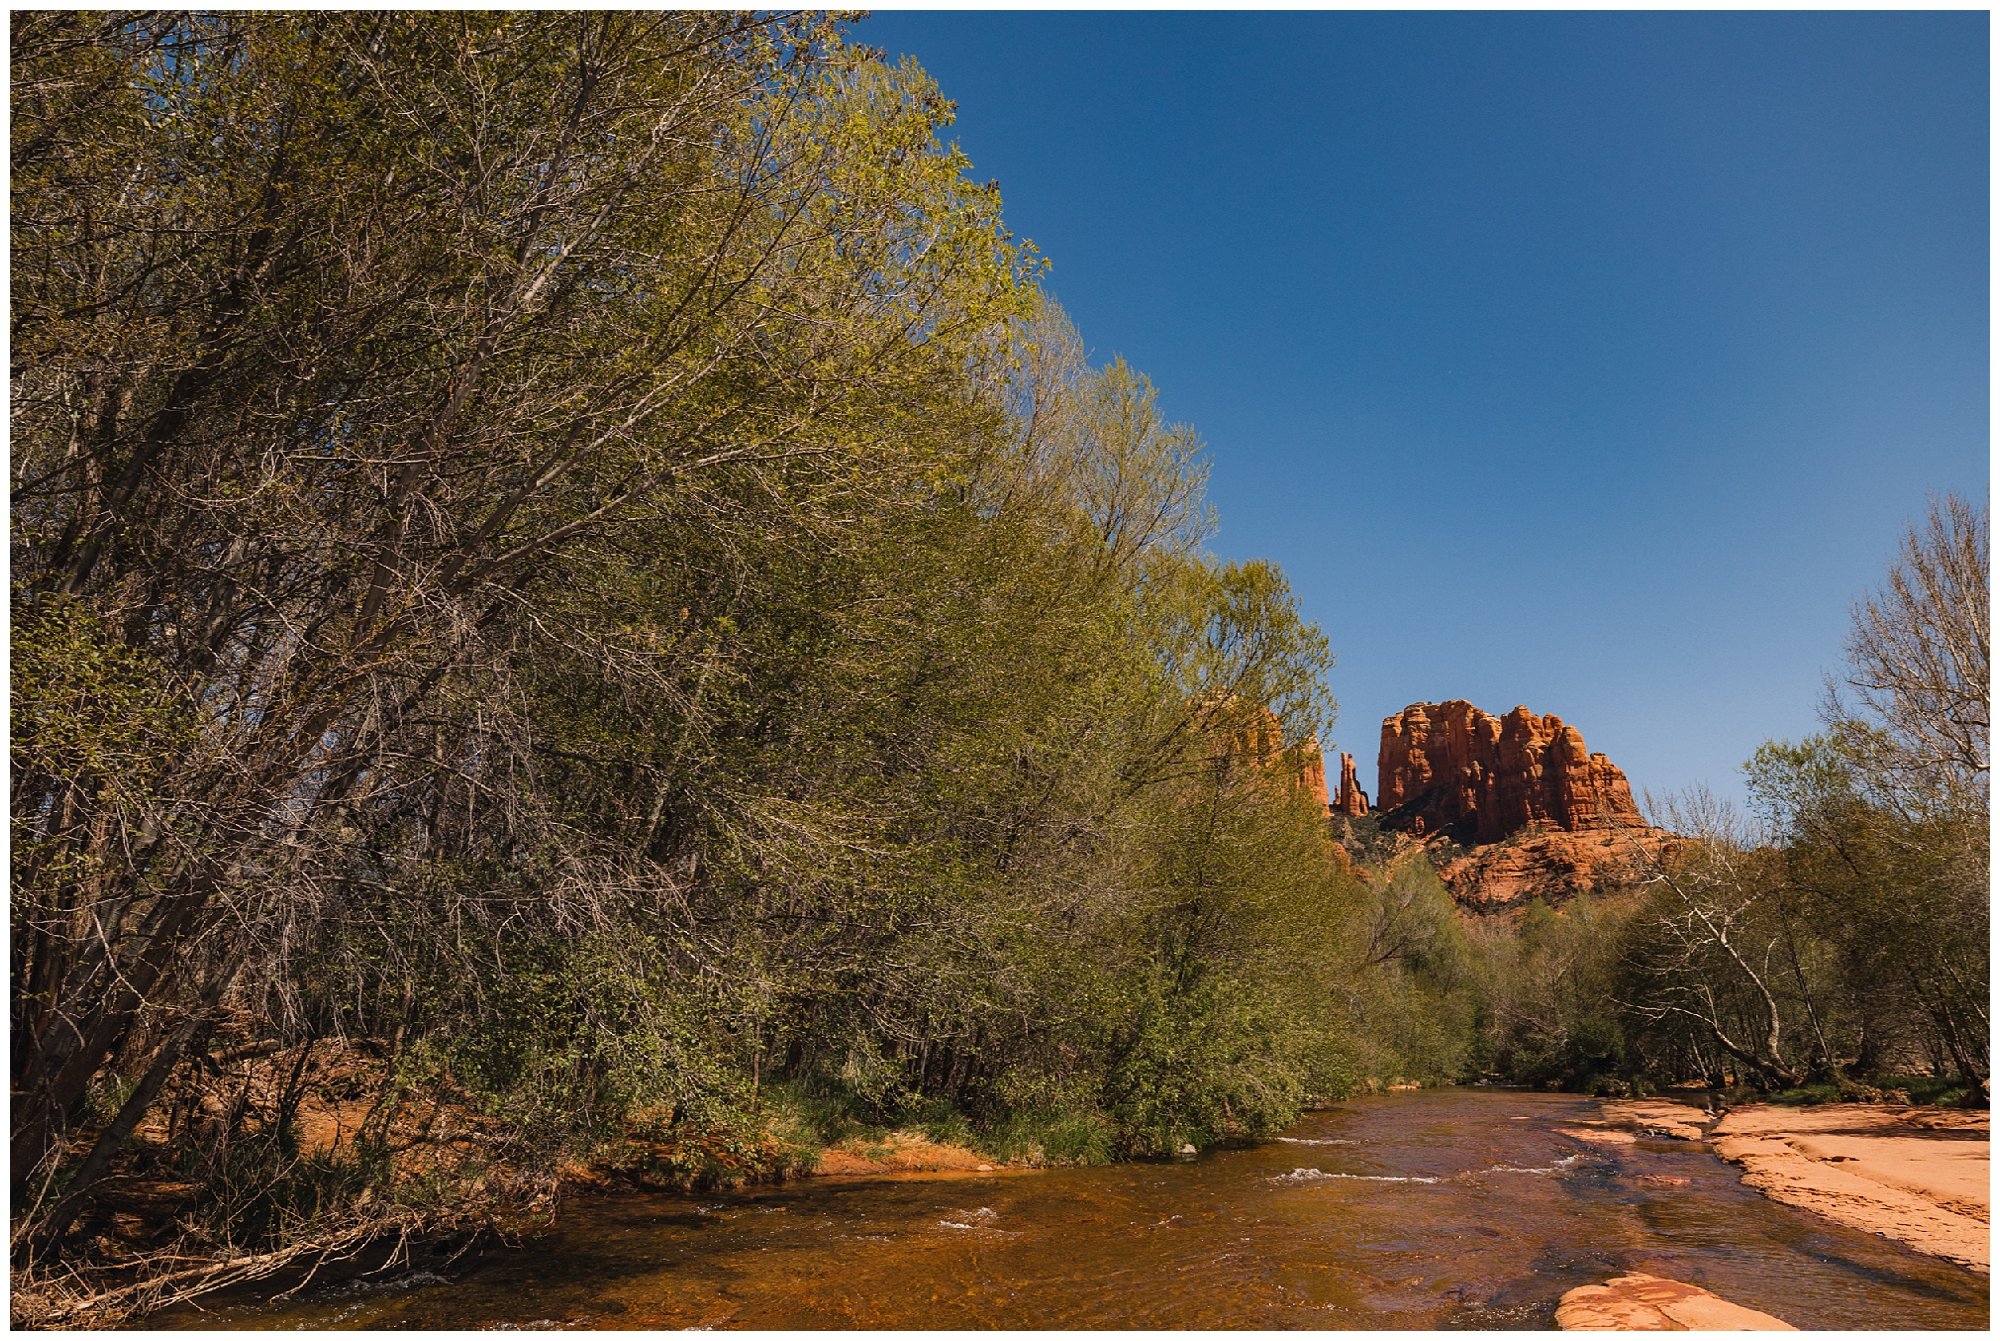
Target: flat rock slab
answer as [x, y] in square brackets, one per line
[1916, 1175]
[1598, 1135]
[1642, 1303]
[1661, 1180]
[1657, 1117]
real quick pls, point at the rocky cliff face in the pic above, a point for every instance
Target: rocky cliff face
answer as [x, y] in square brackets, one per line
[1259, 740]
[1350, 800]
[1549, 864]
[1509, 808]
[1448, 768]
[1308, 769]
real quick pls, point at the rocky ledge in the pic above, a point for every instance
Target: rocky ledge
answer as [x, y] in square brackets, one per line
[1643, 1303]
[1549, 864]
[1920, 1176]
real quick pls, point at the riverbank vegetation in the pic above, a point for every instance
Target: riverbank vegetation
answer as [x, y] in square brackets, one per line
[1834, 941]
[570, 589]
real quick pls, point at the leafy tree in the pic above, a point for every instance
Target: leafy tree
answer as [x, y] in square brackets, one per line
[1848, 932]
[1920, 665]
[339, 340]
[1550, 992]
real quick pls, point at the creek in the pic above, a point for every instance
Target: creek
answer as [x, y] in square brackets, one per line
[1461, 1208]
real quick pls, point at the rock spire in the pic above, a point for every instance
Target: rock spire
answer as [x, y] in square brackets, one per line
[1350, 800]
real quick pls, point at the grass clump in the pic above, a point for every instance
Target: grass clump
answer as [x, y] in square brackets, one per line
[1053, 1137]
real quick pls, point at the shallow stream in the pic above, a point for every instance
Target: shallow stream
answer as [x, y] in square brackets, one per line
[1445, 1209]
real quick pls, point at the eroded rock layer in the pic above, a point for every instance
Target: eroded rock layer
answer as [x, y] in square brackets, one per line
[1549, 864]
[1350, 799]
[1258, 739]
[1450, 768]
[1645, 1303]
[1308, 768]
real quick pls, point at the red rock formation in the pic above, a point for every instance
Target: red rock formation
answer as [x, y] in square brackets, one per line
[1450, 768]
[1551, 865]
[1257, 736]
[1308, 771]
[1260, 740]
[1350, 800]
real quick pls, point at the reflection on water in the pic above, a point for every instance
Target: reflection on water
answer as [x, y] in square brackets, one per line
[1448, 1208]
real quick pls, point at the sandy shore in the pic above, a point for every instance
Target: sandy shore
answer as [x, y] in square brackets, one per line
[1920, 1176]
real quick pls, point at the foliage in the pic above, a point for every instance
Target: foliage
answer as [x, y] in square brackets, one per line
[1835, 942]
[1550, 989]
[1409, 1013]
[571, 548]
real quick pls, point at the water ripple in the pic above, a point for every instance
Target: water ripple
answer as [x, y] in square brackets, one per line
[1316, 1175]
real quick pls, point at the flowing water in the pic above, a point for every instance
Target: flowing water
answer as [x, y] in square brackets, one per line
[1439, 1209]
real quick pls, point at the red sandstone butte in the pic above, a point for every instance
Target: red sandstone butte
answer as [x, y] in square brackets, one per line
[1260, 739]
[1450, 768]
[1350, 799]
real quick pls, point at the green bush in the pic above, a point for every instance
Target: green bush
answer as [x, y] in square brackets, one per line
[1053, 1138]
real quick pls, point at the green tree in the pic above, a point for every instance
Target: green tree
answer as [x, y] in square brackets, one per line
[336, 341]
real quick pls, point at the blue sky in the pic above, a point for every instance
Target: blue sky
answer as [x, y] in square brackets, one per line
[1591, 362]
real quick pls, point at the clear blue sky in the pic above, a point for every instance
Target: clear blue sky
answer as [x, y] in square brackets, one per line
[1591, 362]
